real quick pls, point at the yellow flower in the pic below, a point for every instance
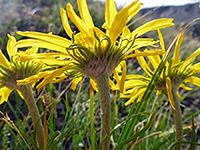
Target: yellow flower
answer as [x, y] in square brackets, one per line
[91, 52]
[13, 70]
[176, 74]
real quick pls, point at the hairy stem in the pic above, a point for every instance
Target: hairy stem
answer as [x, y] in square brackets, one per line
[26, 91]
[104, 94]
[178, 120]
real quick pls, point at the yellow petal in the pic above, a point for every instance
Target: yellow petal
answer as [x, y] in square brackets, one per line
[33, 78]
[77, 21]
[194, 80]
[153, 25]
[49, 38]
[136, 95]
[60, 78]
[177, 93]
[146, 53]
[11, 49]
[134, 76]
[141, 42]
[32, 50]
[75, 82]
[169, 92]
[154, 59]
[122, 18]
[65, 22]
[50, 77]
[176, 58]
[20, 94]
[4, 94]
[116, 76]
[110, 13]
[158, 92]
[185, 87]
[162, 43]
[135, 83]
[85, 14]
[122, 81]
[126, 32]
[3, 61]
[94, 85]
[42, 44]
[140, 95]
[196, 53]
[46, 59]
[143, 63]
[112, 85]
[196, 68]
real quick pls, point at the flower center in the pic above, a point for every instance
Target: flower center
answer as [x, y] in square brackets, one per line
[19, 70]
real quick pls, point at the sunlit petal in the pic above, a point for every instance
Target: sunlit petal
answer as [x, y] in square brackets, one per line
[162, 43]
[185, 87]
[196, 53]
[177, 93]
[110, 13]
[112, 85]
[153, 25]
[117, 77]
[176, 58]
[49, 38]
[3, 61]
[158, 92]
[94, 85]
[154, 59]
[75, 82]
[141, 95]
[4, 94]
[42, 44]
[20, 94]
[84, 13]
[65, 22]
[143, 64]
[32, 50]
[60, 78]
[126, 32]
[146, 53]
[122, 18]
[33, 78]
[50, 77]
[194, 80]
[136, 95]
[11, 49]
[123, 63]
[196, 68]
[77, 21]
[135, 83]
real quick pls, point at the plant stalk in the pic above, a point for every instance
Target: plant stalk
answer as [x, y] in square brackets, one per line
[177, 120]
[105, 104]
[92, 118]
[26, 91]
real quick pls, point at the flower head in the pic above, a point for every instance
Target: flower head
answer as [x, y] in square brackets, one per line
[92, 52]
[13, 70]
[176, 74]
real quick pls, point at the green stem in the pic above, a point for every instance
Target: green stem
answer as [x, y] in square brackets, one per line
[177, 120]
[26, 91]
[92, 118]
[104, 94]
